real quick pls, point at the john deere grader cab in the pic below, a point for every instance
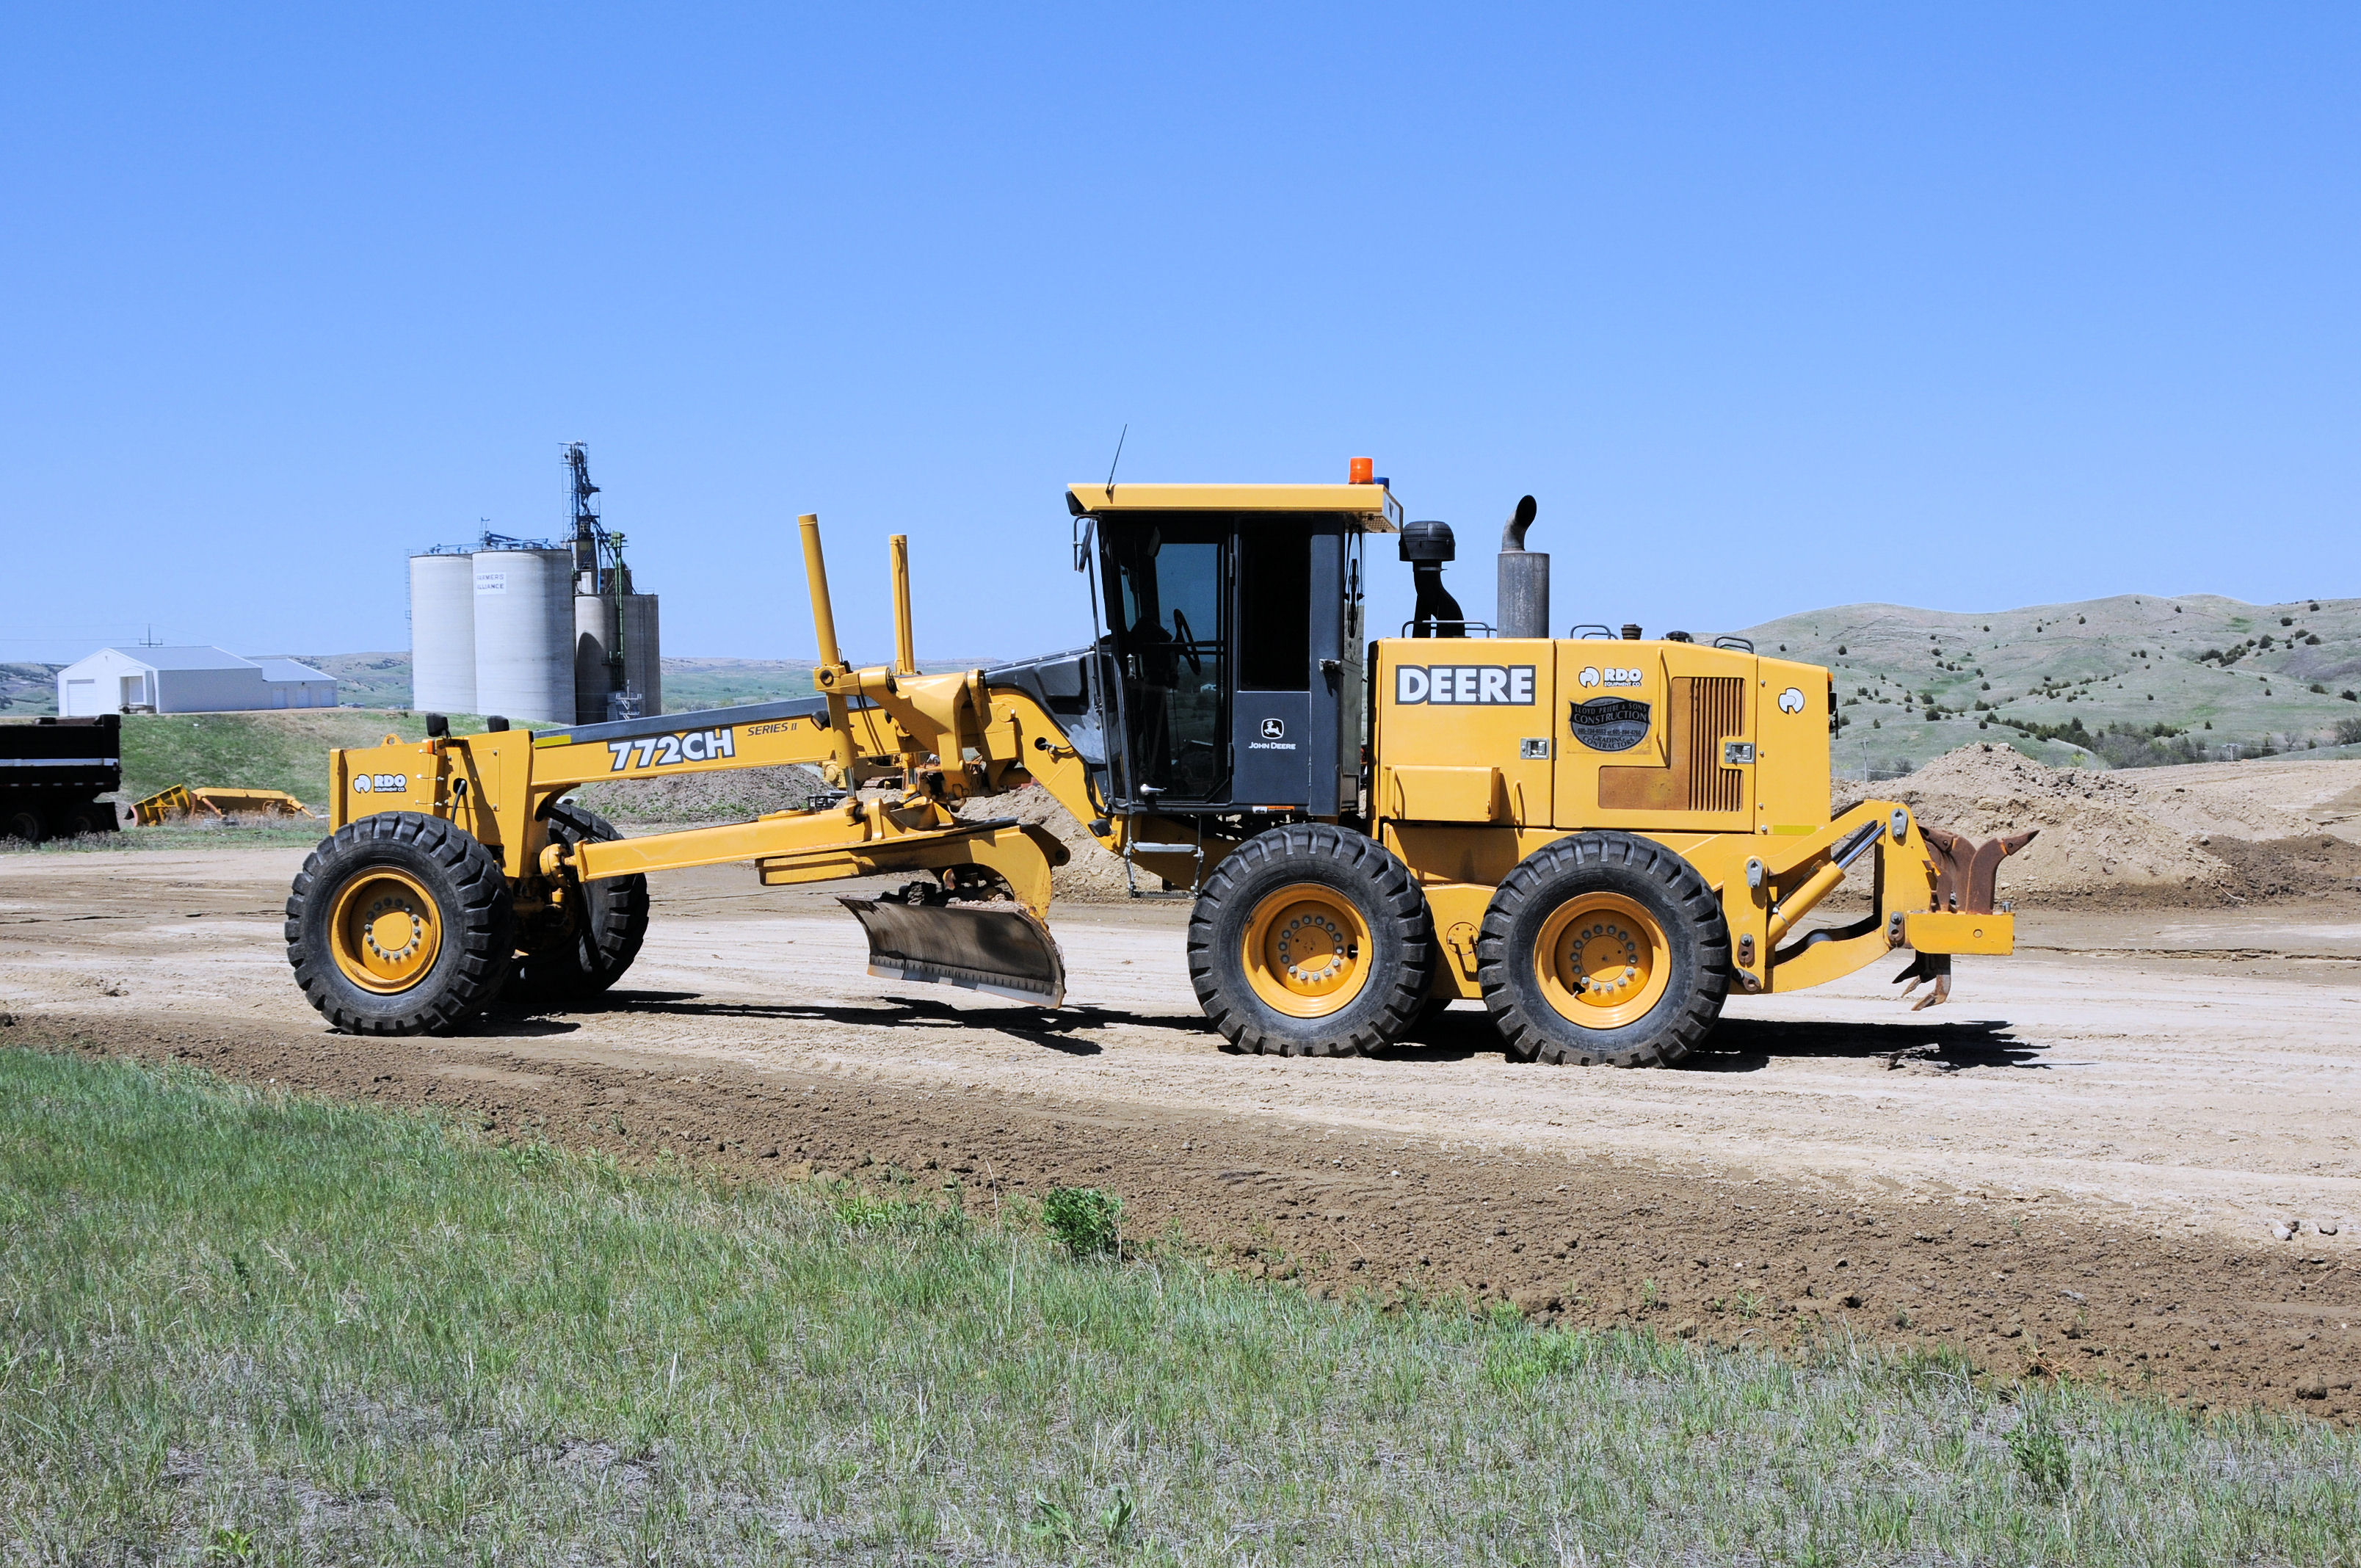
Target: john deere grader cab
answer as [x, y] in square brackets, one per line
[1595, 836]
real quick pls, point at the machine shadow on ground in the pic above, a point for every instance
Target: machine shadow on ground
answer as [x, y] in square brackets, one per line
[1052, 1027]
[1750, 1044]
[1462, 1034]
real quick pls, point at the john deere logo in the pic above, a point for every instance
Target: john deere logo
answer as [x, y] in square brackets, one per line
[1608, 723]
[1274, 729]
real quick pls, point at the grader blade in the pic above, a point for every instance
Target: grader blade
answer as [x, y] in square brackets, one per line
[998, 948]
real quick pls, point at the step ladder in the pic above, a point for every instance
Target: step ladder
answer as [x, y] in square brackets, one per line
[1196, 851]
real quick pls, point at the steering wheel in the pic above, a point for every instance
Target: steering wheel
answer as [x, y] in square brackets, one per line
[1188, 641]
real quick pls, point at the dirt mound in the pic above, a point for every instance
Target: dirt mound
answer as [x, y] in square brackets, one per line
[732, 795]
[2210, 834]
[1093, 876]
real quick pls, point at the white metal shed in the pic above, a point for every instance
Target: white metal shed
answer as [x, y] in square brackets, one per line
[187, 680]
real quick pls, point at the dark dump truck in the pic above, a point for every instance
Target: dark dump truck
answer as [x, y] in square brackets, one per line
[52, 771]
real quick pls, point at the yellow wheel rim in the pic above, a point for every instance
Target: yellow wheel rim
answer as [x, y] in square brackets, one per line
[1602, 960]
[1307, 951]
[385, 931]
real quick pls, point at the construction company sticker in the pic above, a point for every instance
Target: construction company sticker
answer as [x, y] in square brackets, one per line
[1608, 723]
[663, 750]
[1791, 700]
[1612, 676]
[1488, 686]
[380, 784]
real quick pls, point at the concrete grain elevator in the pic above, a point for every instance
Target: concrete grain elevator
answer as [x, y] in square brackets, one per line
[535, 631]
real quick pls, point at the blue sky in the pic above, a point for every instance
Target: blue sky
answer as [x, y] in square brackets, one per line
[1770, 307]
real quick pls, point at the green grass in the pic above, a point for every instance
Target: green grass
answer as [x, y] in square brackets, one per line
[285, 750]
[280, 1330]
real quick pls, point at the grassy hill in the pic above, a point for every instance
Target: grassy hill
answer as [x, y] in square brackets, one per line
[27, 691]
[255, 751]
[691, 684]
[2118, 681]
[363, 680]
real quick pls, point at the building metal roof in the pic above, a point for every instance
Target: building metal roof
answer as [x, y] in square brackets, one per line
[194, 658]
[289, 670]
[207, 658]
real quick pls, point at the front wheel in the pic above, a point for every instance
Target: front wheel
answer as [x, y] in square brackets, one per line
[1310, 940]
[1604, 949]
[401, 924]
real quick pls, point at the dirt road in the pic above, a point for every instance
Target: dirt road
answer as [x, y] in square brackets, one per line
[2076, 1163]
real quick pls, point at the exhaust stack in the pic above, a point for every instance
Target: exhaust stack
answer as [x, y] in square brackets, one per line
[1524, 608]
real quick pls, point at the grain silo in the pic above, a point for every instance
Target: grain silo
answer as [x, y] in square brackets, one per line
[642, 651]
[442, 633]
[524, 634]
[616, 665]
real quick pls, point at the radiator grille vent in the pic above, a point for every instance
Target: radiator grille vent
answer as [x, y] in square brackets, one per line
[1714, 713]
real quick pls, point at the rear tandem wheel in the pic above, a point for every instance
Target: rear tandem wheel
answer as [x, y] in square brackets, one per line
[1604, 948]
[600, 933]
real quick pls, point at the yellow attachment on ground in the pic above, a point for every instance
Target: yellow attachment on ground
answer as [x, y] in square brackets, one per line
[163, 806]
[181, 801]
[256, 802]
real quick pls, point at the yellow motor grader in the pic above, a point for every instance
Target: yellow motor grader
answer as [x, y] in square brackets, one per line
[1596, 836]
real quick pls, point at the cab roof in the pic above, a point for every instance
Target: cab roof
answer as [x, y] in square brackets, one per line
[1373, 505]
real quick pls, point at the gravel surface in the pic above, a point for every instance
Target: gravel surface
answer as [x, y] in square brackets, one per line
[2078, 1166]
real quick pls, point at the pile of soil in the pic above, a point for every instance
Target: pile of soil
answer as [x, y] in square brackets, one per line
[732, 796]
[1093, 876]
[2210, 835]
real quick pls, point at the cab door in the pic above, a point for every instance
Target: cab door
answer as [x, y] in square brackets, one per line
[1167, 608]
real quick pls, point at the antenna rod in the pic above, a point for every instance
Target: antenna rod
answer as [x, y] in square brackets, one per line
[1118, 460]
